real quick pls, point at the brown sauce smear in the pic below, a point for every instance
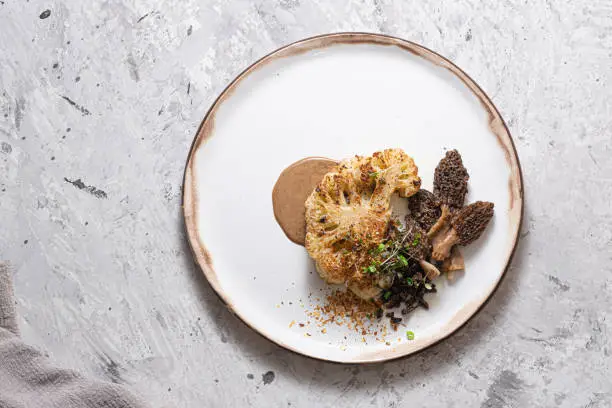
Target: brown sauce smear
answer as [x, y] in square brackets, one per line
[291, 190]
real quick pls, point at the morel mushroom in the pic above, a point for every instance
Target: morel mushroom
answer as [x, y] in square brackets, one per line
[424, 207]
[465, 227]
[441, 223]
[450, 180]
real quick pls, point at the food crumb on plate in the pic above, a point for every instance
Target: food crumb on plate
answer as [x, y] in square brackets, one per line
[291, 324]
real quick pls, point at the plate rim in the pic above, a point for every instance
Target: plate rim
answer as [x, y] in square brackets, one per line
[189, 197]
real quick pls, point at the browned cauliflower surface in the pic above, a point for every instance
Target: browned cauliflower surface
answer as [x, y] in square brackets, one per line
[348, 213]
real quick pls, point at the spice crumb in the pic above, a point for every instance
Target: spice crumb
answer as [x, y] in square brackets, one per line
[344, 308]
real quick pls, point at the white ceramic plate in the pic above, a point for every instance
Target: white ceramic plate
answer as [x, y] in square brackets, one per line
[336, 96]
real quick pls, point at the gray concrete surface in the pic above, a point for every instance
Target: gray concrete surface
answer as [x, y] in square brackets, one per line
[99, 102]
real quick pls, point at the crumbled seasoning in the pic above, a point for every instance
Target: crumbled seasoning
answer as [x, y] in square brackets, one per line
[291, 324]
[344, 308]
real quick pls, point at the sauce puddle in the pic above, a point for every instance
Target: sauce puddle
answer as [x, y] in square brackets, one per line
[291, 190]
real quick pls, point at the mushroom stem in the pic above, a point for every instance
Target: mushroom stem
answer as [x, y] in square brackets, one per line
[441, 223]
[443, 243]
[455, 262]
[431, 272]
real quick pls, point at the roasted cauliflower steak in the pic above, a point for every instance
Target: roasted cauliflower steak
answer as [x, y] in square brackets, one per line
[348, 213]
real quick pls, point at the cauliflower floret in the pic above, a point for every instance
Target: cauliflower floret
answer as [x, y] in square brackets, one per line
[348, 212]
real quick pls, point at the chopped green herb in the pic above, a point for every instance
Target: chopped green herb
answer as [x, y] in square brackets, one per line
[368, 315]
[370, 269]
[410, 335]
[374, 174]
[409, 281]
[380, 248]
[428, 286]
[417, 239]
[402, 260]
[387, 295]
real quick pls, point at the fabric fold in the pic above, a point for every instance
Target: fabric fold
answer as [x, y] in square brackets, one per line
[29, 380]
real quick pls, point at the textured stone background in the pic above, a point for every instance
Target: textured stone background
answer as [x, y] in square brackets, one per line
[99, 102]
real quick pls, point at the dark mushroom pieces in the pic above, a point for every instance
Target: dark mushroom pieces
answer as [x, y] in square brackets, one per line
[465, 227]
[424, 208]
[417, 243]
[450, 180]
